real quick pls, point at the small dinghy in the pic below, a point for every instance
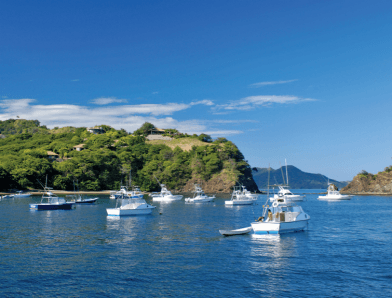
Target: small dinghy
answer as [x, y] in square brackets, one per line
[235, 232]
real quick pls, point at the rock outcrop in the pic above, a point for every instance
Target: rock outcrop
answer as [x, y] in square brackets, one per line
[366, 183]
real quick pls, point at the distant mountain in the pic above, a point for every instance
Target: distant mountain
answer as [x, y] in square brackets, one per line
[297, 178]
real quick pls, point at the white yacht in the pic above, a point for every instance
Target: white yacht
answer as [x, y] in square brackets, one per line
[199, 196]
[248, 194]
[238, 198]
[20, 194]
[126, 205]
[124, 191]
[283, 216]
[333, 194]
[165, 195]
[284, 191]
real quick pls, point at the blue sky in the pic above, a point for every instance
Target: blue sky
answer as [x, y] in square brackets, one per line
[306, 81]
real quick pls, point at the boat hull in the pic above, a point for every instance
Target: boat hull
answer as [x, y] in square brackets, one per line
[279, 227]
[167, 198]
[239, 202]
[235, 232]
[87, 201]
[335, 198]
[129, 212]
[43, 206]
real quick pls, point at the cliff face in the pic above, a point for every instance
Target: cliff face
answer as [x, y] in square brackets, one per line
[370, 184]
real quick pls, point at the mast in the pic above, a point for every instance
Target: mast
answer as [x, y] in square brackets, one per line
[287, 176]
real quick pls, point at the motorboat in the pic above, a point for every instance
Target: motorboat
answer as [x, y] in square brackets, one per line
[127, 205]
[21, 194]
[284, 191]
[50, 201]
[79, 199]
[284, 216]
[333, 194]
[248, 194]
[7, 197]
[124, 191]
[165, 195]
[199, 196]
[238, 198]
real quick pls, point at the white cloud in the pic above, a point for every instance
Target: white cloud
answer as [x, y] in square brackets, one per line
[107, 100]
[155, 92]
[76, 80]
[256, 85]
[206, 102]
[251, 102]
[129, 117]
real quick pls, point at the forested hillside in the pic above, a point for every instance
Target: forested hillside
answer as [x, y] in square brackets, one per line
[297, 178]
[106, 159]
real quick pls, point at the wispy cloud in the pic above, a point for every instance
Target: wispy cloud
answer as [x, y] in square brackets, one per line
[75, 80]
[206, 102]
[107, 100]
[252, 102]
[129, 117]
[261, 84]
[155, 92]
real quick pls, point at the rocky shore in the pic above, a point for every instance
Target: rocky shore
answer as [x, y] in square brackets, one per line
[370, 184]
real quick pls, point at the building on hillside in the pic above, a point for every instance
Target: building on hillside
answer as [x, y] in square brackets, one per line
[2, 136]
[52, 155]
[157, 131]
[79, 147]
[95, 130]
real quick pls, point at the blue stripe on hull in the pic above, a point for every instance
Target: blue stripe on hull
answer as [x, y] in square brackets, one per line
[279, 232]
[51, 207]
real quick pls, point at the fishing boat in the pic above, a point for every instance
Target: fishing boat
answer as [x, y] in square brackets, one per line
[248, 194]
[127, 205]
[7, 197]
[21, 194]
[50, 201]
[77, 198]
[235, 232]
[284, 191]
[333, 194]
[238, 198]
[199, 196]
[283, 216]
[166, 196]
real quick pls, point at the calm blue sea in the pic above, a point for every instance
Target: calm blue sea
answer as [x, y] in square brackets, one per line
[177, 251]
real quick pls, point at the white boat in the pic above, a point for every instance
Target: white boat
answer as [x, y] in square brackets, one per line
[238, 198]
[124, 191]
[20, 194]
[79, 199]
[284, 216]
[165, 195]
[50, 201]
[130, 206]
[333, 194]
[284, 191]
[248, 194]
[7, 197]
[199, 196]
[235, 232]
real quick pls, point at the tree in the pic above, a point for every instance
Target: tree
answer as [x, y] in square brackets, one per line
[144, 130]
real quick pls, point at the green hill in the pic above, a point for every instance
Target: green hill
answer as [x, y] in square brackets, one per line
[297, 178]
[29, 152]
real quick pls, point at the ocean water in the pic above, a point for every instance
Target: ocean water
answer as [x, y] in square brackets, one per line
[177, 251]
